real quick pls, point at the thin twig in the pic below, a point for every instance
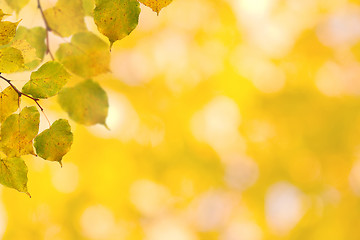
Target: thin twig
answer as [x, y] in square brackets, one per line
[48, 29]
[36, 100]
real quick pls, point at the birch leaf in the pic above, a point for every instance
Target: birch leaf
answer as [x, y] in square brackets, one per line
[18, 132]
[87, 55]
[13, 174]
[66, 17]
[11, 60]
[47, 81]
[156, 5]
[9, 102]
[53, 143]
[86, 103]
[116, 19]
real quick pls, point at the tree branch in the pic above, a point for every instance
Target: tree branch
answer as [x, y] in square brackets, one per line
[48, 29]
[36, 100]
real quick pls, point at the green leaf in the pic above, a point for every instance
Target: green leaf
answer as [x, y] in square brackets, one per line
[9, 102]
[17, 5]
[87, 55]
[47, 81]
[36, 38]
[66, 18]
[86, 103]
[18, 132]
[7, 31]
[116, 19]
[13, 174]
[11, 60]
[53, 143]
[156, 5]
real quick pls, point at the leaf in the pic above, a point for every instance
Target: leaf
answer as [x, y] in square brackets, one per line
[87, 55]
[86, 103]
[66, 18]
[7, 31]
[9, 102]
[11, 60]
[88, 6]
[156, 5]
[2, 14]
[47, 81]
[36, 38]
[53, 143]
[116, 19]
[27, 51]
[17, 5]
[18, 132]
[13, 174]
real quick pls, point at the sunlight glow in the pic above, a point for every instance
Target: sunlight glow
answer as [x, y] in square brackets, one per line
[216, 122]
[284, 207]
[165, 229]
[241, 172]
[97, 222]
[65, 179]
[132, 67]
[211, 210]
[354, 178]
[148, 197]
[122, 119]
[237, 230]
[3, 218]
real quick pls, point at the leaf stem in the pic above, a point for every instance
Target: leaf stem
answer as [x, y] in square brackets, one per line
[36, 100]
[48, 29]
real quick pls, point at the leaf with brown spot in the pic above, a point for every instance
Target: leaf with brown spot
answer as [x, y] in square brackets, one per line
[18, 132]
[116, 19]
[7, 31]
[53, 143]
[47, 81]
[9, 102]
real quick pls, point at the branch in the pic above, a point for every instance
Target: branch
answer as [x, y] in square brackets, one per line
[36, 100]
[48, 29]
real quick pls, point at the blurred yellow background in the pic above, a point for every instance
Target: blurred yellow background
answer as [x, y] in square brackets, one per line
[230, 120]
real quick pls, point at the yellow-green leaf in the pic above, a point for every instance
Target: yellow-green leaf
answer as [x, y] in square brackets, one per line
[7, 31]
[11, 60]
[17, 5]
[156, 5]
[47, 81]
[53, 143]
[13, 174]
[86, 103]
[116, 19]
[9, 102]
[66, 17]
[36, 38]
[88, 6]
[87, 55]
[18, 132]
[28, 52]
